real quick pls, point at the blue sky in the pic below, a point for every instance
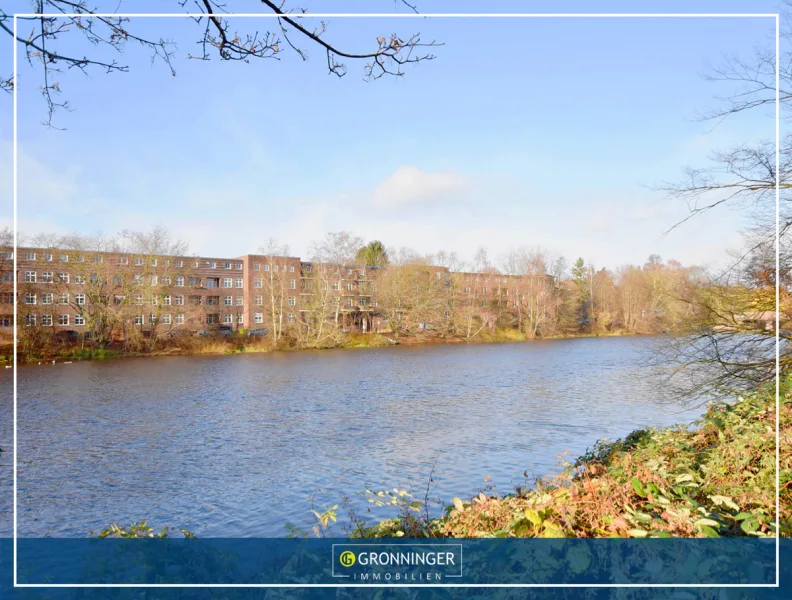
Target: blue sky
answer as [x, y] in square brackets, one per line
[522, 132]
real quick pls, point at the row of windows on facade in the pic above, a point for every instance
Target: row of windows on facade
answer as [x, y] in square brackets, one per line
[47, 320]
[179, 281]
[80, 299]
[139, 261]
[32, 298]
[124, 260]
[154, 262]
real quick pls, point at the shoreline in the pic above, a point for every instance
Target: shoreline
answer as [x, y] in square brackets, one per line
[356, 342]
[679, 481]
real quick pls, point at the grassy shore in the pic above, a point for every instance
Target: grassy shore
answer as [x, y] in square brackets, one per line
[715, 479]
[240, 344]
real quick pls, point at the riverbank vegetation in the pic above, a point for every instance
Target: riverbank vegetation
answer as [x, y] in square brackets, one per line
[715, 479]
[407, 298]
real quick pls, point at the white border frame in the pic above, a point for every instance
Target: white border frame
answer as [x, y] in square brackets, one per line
[775, 16]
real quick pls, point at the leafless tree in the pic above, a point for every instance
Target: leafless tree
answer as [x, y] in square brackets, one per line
[44, 40]
[730, 346]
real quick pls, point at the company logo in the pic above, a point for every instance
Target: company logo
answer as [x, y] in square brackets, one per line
[397, 563]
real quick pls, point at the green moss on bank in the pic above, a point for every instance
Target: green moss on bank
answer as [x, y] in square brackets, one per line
[714, 480]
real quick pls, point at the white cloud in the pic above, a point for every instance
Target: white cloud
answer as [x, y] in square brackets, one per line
[410, 185]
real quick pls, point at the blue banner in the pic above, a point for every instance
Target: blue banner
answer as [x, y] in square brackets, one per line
[389, 562]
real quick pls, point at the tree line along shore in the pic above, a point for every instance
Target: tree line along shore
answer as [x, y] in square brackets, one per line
[137, 299]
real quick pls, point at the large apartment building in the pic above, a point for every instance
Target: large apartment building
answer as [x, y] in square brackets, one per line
[73, 291]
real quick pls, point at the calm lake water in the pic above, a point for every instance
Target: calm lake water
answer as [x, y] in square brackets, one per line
[239, 445]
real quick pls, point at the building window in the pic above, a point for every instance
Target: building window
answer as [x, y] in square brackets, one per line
[291, 268]
[166, 319]
[180, 281]
[30, 298]
[138, 298]
[178, 300]
[240, 319]
[152, 319]
[239, 300]
[137, 278]
[308, 268]
[46, 320]
[336, 286]
[292, 284]
[194, 300]
[213, 282]
[6, 321]
[292, 301]
[63, 319]
[228, 300]
[211, 319]
[179, 320]
[30, 256]
[64, 258]
[97, 259]
[116, 279]
[239, 266]
[153, 262]
[154, 300]
[8, 255]
[266, 267]
[228, 319]
[122, 260]
[349, 271]
[259, 300]
[258, 318]
[154, 280]
[212, 265]
[350, 302]
[138, 320]
[213, 300]
[138, 262]
[258, 282]
[63, 278]
[48, 256]
[194, 281]
[290, 318]
[228, 266]
[275, 268]
[79, 320]
[239, 283]
[166, 300]
[30, 320]
[180, 263]
[30, 277]
[166, 280]
[309, 285]
[63, 298]
[467, 290]
[484, 290]
[46, 277]
[166, 263]
[79, 299]
[46, 298]
[79, 279]
[256, 267]
[118, 300]
[228, 282]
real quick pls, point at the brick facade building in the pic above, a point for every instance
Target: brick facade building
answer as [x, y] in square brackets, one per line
[121, 294]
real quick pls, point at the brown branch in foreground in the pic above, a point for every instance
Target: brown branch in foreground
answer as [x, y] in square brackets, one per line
[388, 57]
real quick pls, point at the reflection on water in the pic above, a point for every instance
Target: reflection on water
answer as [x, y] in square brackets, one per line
[238, 445]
